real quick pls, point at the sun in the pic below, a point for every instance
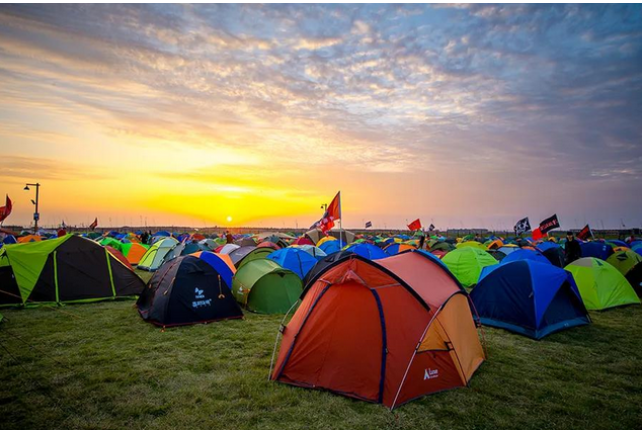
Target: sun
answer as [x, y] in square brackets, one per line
[229, 218]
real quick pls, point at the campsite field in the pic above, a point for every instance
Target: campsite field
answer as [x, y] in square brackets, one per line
[100, 366]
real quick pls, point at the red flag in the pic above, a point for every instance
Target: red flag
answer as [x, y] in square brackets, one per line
[537, 234]
[5, 210]
[332, 213]
[415, 225]
[94, 224]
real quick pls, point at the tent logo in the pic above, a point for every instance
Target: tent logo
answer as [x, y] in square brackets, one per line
[198, 293]
[431, 373]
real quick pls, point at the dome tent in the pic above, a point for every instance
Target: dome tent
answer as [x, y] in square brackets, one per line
[156, 254]
[385, 331]
[189, 290]
[528, 297]
[64, 270]
[296, 260]
[601, 285]
[264, 287]
[467, 263]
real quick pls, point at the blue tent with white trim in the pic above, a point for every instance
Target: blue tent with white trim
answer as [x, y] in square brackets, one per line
[530, 298]
[367, 250]
[332, 246]
[599, 250]
[525, 254]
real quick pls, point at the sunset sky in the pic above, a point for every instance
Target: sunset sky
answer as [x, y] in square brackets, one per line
[469, 116]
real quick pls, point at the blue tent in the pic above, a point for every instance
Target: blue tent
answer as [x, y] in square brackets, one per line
[545, 246]
[162, 233]
[619, 243]
[529, 298]
[392, 249]
[331, 246]
[368, 251]
[599, 250]
[294, 259]
[525, 254]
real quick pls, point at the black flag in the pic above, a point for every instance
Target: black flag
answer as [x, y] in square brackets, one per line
[585, 233]
[522, 226]
[549, 224]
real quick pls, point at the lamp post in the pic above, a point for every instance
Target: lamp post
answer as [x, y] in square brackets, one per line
[36, 215]
[324, 207]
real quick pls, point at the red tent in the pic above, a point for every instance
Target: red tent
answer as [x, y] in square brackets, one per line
[387, 331]
[303, 241]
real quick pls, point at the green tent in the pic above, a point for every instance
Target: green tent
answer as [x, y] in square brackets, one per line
[624, 261]
[264, 287]
[258, 253]
[156, 253]
[467, 263]
[471, 244]
[63, 270]
[601, 285]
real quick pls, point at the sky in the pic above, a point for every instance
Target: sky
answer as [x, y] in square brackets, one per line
[256, 115]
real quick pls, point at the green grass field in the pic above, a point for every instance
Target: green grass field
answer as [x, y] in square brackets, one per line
[99, 366]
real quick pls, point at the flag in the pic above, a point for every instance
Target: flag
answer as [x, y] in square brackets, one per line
[537, 234]
[94, 224]
[549, 224]
[522, 226]
[331, 214]
[369, 224]
[5, 210]
[432, 227]
[585, 233]
[415, 225]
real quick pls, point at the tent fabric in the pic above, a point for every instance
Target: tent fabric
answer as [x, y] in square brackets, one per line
[63, 270]
[228, 248]
[599, 250]
[601, 285]
[156, 254]
[396, 248]
[257, 253]
[264, 287]
[331, 246]
[385, 331]
[471, 244]
[119, 255]
[466, 264]
[317, 253]
[323, 263]
[315, 235]
[634, 276]
[530, 298]
[624, 261]
[189, 290]
[295, 260]
[525, 254]
[325, 239]
[367, 250]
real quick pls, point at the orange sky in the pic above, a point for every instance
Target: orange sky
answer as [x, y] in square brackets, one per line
[189, 114]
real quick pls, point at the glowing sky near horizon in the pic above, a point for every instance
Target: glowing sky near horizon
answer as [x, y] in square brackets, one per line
[196, 114]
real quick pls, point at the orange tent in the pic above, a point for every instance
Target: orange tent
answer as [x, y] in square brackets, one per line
[29, 238]
[386, 331]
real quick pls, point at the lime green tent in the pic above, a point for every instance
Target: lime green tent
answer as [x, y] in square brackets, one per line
[624, 261]
[601, 285]
[467, 263]
[264, 287]
[156, 253]
[471, 244]
[66, 269]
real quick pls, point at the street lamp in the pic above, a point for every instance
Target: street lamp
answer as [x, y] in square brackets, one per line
[36, 215]
[324, 207]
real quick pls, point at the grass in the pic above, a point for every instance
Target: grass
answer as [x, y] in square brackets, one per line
[99, 366]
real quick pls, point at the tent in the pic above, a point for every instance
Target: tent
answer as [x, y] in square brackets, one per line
[494, 244]
[119, 255]
[303, 241]
[442, 246]
[385, 331]
[525, 254]
[467, 263]
[238, 254]
[325, 239]
[530, 298]
[257, 253]
[331, 246]
[323, 263]
[246, 241]
[312, 250]
[634, 276]
[226, 249]
[29, 238]
[601, 285]
[343, 235]
[190, 289]
[63, 270]
[471, 244]
[155, 255]
[368, 251]
[396, 248]
[296, 260]
[599, 250]
[315, 235]
[624, 261]
[264, 287]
